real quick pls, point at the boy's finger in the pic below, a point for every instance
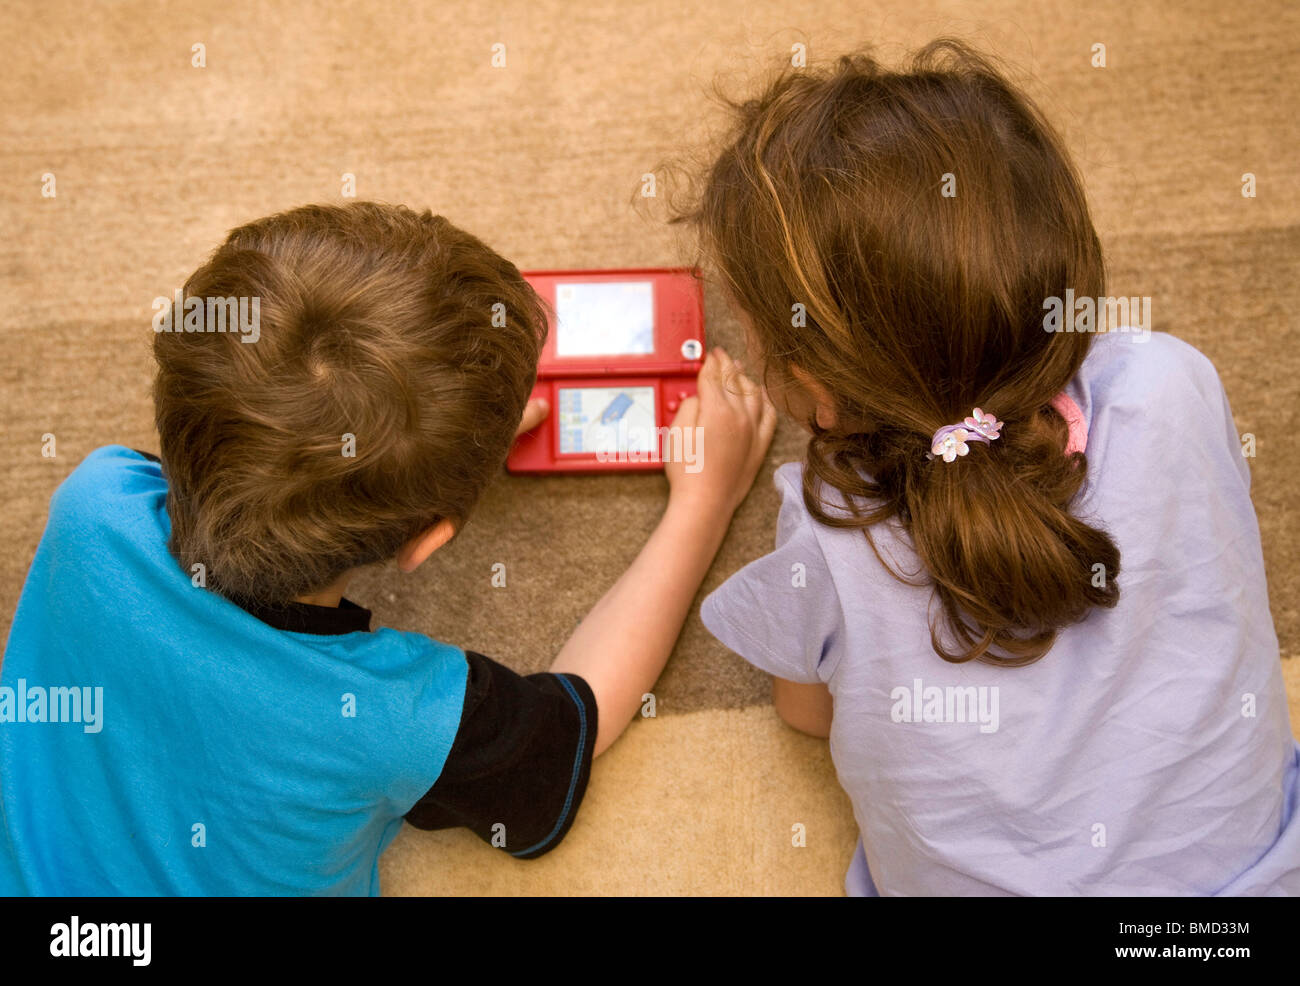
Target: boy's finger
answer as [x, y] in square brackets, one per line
[767, 422]
[751, 392]
[730, 380]
[709, 381]
[712, 367]
[535, 412]
[688, 414]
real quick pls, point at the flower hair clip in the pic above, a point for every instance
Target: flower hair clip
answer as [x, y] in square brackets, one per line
[950, 440]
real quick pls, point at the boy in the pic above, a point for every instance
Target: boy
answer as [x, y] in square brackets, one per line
[251, 734]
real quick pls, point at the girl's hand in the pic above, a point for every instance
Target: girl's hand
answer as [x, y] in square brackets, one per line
[737, 422]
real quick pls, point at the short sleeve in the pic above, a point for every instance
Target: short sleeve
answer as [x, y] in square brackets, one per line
[519, 765]
[1189, 389]
[782, 612]
[1235, 449]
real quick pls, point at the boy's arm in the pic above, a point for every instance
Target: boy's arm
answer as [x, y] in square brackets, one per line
[520, 762]
[519, 766]
[621, 648]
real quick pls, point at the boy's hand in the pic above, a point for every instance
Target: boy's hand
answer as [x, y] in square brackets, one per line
[622, 645]
[738, 422]
[535, 412]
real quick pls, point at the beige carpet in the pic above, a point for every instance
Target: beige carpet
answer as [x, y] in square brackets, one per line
[155, 160]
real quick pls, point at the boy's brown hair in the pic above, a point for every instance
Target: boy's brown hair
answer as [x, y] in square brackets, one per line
[376, 322]
[827, 218]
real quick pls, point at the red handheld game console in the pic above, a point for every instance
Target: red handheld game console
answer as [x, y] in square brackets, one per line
[622, 353]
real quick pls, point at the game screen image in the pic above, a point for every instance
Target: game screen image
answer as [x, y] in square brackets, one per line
[599, 420]
[605, 318]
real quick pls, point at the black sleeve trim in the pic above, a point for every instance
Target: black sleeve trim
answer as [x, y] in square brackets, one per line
[519, 766]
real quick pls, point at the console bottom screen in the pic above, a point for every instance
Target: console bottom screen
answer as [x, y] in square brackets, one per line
[596, 420]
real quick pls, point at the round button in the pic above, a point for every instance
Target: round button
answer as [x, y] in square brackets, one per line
[672, 405]
[692, 349]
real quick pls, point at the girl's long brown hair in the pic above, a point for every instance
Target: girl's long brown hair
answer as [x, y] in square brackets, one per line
[827, 219]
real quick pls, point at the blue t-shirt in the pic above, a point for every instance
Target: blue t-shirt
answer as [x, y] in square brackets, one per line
[155, 738]
[1148, 752]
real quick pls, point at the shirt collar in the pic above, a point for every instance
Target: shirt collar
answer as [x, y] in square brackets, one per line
[324, 621]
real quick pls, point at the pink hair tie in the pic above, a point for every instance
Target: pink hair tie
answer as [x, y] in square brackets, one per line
[950, 441]
[1074, 418]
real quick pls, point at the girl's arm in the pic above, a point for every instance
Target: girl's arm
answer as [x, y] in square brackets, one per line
[621, 648]
[805, 707]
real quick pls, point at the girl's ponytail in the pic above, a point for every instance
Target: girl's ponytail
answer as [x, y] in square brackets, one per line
[1009, 563]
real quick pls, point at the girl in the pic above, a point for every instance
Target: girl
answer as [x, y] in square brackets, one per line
[1013, 712]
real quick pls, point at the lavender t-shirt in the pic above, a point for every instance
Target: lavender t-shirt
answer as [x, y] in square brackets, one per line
[1148, 752]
